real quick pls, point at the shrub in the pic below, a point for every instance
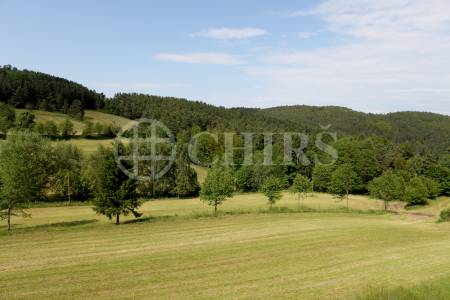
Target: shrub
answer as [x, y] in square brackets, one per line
[445, 215]
[416, 192]
[271, 188]
[388, 187]
[433, 187]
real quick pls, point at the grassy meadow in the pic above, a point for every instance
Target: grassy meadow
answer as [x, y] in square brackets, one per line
[179, 251]
[87, 146]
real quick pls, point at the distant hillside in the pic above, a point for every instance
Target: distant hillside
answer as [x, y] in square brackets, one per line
[421, 129]
[179, 114]
[35, 90]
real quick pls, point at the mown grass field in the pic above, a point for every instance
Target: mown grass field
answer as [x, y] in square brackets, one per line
[71, 253]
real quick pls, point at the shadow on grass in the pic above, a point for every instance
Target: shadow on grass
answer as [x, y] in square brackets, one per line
[274, 210]
[58, 225]
[66, 224]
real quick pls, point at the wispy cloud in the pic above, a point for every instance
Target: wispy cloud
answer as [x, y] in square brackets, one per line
[305, 34]
[202, 58]
[390, 45]
[301, 13]
[225, 33]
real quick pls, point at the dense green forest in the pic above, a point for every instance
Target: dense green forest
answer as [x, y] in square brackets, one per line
[421, 129]
[35, 90]
[424, 131]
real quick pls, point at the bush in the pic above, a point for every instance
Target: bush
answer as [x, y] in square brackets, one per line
[416, 192]
[433, 187]
[445, 215]
[245, 179]
[388, 187]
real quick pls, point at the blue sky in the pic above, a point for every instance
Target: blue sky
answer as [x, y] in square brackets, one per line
[373, 56]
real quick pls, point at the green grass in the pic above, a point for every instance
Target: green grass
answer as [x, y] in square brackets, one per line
[89, 115]
[43, 116]
[96, 116]
[86, 145]
[71, 253]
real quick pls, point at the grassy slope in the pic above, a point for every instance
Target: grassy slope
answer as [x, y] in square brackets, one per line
[86, 145]
[43, 116]
[308, 255]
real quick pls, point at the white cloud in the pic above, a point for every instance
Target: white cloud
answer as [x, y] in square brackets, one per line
[305, 35]
[395, 55]
[301, 13]
[224, 33]
[202, 58]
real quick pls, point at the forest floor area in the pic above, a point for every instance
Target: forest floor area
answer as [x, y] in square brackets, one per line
[314, 249]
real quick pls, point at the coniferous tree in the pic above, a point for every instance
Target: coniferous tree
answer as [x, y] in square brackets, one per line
[186, 184]
[76, 110]
[114, 192]
[7, 117]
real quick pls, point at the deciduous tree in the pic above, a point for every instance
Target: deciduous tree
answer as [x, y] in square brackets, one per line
[301, 186]
[272, 188]
[218, 186]
[343, 181]
[388, 187]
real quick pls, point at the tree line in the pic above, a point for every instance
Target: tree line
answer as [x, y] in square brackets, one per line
[32, 169]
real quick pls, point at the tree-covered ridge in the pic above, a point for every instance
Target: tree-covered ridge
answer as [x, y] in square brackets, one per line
[35, 90]
[422, 130]
[181, 114]
[23, 88]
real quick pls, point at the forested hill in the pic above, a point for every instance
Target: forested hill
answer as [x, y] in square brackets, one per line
[180, 114]
[422, 129]
[29, 89]
[35, 90]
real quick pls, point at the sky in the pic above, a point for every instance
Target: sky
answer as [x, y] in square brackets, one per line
[369, 55]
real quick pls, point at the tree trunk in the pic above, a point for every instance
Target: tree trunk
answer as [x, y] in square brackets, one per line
[9, 219]
[347, 200]
[117, 219]
[215, 208]
[68, 187]
[385, 205]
